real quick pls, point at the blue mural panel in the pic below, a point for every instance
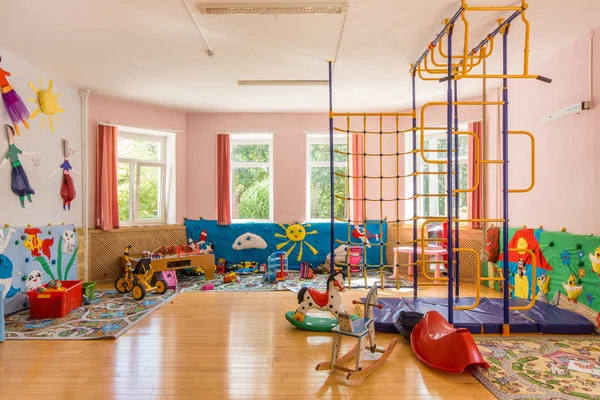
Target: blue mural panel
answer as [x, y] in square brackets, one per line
[255, 241]
[32, 256]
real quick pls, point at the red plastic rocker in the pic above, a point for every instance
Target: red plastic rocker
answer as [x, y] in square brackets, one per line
[441, 346]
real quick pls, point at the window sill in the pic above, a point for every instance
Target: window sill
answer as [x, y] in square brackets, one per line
[153, 223]
[125, 228]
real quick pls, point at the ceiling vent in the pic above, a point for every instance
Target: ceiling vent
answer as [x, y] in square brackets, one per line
[273, 9]
[284, 83]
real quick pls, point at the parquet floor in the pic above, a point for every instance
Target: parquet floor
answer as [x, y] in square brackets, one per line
[219, 346]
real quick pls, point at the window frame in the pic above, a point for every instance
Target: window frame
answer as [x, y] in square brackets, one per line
[135, 165]
[322, 138]
[236, 139]
[433, 179]
[408, 183]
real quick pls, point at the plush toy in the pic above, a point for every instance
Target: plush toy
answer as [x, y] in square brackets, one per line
[17, 111]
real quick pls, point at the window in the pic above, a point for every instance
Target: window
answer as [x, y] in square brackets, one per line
[318, 189]
[251, 177]
[436, 183]
[141, 176]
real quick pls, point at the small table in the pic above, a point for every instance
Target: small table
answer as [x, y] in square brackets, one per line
[206, 261]
[436, 252]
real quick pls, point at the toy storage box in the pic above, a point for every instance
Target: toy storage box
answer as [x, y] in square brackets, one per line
[55, 304]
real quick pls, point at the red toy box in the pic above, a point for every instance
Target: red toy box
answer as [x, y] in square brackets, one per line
[55, 304]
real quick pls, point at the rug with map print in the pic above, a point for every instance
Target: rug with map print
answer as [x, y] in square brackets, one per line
[109, 315]
[546, 367]
[254, 282]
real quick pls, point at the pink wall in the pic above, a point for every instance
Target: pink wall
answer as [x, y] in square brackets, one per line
[289, 158]
[568, 167]
[289, 150]
[137, 115]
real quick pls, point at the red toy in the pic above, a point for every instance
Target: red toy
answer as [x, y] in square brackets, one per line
[221, 265]
[441, 346]
[230, 277]
[306, 271]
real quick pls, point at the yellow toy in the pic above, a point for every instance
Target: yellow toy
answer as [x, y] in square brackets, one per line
[595, 260]
[573, 291]
[543, 282]
[230, 277]
[137, 280]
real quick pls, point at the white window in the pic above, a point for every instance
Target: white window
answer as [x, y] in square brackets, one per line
[251, 177]
[318, 189]
[141, 177]
[436, 183]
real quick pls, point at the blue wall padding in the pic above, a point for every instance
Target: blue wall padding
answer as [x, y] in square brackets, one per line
[243, 241]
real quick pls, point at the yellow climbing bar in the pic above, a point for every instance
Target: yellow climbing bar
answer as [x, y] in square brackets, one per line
[532, 162]
[478, 273]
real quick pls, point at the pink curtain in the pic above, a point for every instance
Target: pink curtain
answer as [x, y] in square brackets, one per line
[475, 200]
[107, 204]
[357, 182]
[223, 185]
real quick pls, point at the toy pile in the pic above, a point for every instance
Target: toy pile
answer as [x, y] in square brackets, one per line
[53, 286]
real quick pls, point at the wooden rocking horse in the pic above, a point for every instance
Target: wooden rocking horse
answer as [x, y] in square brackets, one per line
[361, 329]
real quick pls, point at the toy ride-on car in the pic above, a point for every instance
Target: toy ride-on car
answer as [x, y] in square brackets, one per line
[137, 280]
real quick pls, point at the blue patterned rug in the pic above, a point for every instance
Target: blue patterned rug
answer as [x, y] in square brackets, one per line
[110, 315]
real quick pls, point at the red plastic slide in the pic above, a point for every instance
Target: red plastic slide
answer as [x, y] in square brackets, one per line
[441, 346]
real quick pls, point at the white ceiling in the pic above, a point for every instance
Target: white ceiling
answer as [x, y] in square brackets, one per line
[150, 50]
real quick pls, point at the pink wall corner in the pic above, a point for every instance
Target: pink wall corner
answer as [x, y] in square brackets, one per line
[138, 115]
[289, 158]
[567, 163]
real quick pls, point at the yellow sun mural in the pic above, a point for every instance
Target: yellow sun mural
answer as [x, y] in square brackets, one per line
[294, 234]
[47, 102]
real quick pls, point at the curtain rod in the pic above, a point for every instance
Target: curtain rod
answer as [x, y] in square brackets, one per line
[107, 123]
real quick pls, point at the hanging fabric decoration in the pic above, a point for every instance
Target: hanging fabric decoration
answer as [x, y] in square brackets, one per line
[19, 183]
[47, 102]
[67, 188]
[17, 111]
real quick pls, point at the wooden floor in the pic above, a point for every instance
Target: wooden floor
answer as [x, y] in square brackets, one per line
[219, 346]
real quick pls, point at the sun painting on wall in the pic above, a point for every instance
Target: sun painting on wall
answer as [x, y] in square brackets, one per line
[47, 102]
[295, 234]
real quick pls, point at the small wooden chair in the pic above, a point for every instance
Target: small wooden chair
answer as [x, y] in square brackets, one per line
[360, 329]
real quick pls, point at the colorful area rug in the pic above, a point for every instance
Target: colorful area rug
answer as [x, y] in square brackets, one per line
[548, 367]
[254, 283]
[110, 315]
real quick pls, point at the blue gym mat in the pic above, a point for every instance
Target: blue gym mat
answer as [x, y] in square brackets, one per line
[542, 318]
